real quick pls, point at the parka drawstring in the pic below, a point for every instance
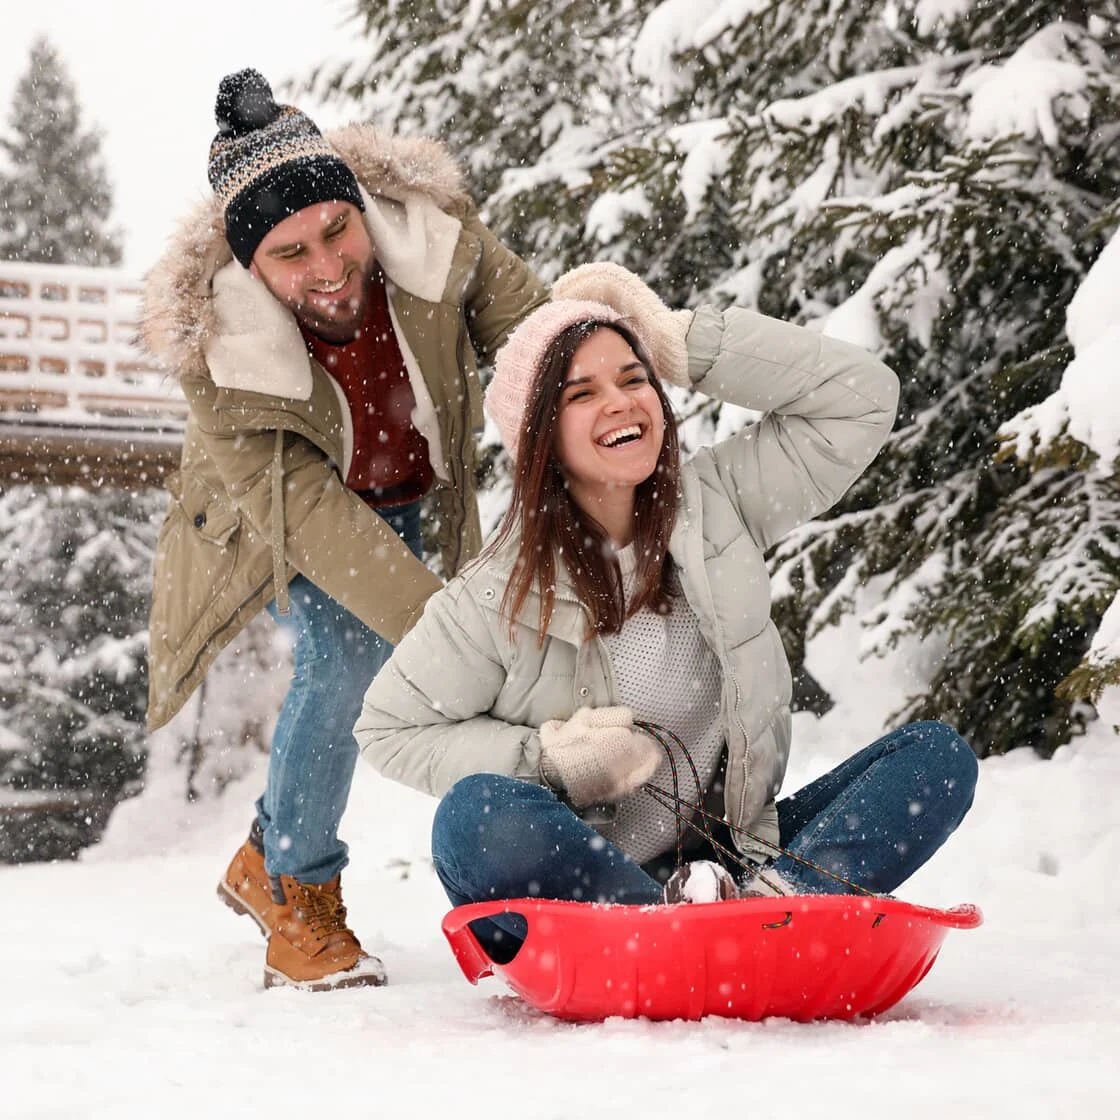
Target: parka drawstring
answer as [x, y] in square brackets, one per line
[279, 530]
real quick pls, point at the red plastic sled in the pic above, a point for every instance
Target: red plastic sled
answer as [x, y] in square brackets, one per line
[802, 957]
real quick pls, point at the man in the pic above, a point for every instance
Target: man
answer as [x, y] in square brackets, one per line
[330, 369]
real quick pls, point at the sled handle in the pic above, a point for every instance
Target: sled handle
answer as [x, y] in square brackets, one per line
[965, 916]
[471, 957]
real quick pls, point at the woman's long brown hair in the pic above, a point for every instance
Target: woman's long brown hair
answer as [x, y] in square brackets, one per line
[552, 525]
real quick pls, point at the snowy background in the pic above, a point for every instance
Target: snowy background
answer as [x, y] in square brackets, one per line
[134, 992]
[148, 76]
[1086, 404]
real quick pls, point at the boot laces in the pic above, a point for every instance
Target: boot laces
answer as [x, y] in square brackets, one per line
[321, 909]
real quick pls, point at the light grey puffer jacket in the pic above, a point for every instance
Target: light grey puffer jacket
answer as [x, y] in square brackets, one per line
[459, 697]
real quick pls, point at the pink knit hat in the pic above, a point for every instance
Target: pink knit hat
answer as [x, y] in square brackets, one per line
[518, 361]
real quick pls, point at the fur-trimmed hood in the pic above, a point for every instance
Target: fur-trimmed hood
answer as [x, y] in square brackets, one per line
[178, 318]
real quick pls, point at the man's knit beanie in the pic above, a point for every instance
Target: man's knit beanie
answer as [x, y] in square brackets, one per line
[518, 362]
[269, 161]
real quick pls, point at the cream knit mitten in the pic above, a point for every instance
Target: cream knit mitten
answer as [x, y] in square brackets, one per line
[661, 331]
[597, 756]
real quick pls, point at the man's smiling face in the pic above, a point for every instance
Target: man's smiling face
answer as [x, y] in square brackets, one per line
[318, 262]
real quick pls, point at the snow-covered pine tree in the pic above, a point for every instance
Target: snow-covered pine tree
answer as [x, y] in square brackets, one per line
[1078, 427]
[55, 197]
[75, 581]
[75, 566]
[928, 183]
[526, 93]
[1000, 157]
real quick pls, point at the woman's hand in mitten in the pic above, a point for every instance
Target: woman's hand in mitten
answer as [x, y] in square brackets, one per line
[597, 756]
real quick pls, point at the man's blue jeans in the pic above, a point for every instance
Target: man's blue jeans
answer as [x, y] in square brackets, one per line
[311, 765]
[874, 820]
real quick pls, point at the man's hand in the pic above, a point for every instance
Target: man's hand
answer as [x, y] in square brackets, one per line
[597, 756]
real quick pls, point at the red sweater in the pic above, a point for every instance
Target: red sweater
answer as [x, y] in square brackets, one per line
[390, 465]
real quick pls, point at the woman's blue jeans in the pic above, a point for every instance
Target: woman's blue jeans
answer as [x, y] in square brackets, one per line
[873, 820]
[311, 765]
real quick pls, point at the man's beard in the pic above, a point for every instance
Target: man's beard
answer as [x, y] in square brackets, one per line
[337, 329]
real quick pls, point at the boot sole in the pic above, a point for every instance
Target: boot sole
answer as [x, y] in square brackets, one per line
[275, 979]
[239, 906]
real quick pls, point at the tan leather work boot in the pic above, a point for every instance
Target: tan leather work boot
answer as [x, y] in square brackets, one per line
[311, 946]
[245, 888]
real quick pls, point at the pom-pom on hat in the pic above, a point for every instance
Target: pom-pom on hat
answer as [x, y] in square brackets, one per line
[269, 161]
[518, 362]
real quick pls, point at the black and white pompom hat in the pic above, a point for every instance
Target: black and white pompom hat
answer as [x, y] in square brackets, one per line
[269, 161]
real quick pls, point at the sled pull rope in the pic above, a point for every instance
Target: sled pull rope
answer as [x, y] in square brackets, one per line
[667, 739]
[673, 801]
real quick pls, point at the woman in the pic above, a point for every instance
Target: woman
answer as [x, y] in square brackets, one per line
[623, 615]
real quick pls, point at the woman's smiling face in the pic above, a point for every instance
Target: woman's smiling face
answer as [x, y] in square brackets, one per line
[611, 424]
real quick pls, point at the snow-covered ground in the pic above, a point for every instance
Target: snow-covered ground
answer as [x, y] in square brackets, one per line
[131, 992]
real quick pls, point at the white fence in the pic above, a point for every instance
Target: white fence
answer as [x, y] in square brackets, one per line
[69, 355]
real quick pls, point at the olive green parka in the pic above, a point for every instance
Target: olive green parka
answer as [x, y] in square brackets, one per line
[259, 496]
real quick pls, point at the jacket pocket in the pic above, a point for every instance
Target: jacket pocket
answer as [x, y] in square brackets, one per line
[196, 558]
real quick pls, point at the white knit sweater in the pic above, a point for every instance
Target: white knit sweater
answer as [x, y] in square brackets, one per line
[667, 674]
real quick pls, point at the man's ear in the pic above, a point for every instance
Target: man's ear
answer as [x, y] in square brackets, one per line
[253, 270]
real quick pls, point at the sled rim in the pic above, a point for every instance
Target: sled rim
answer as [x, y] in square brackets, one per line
[476, 963]
[962, 916]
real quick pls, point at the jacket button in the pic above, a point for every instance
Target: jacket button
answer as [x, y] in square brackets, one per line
[200, 520]
[584, 691]
[488, 593]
